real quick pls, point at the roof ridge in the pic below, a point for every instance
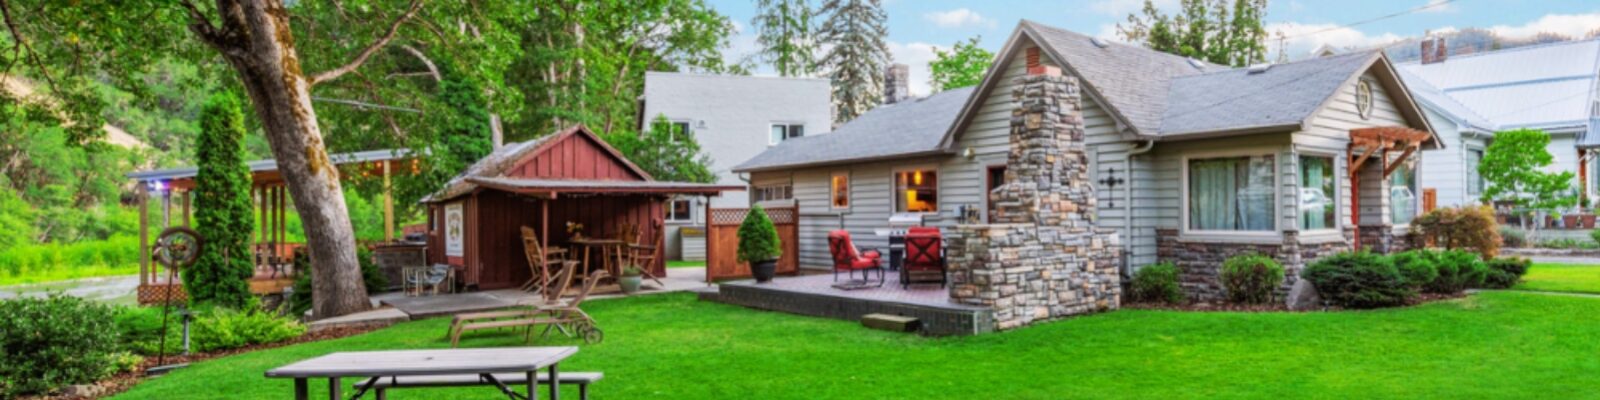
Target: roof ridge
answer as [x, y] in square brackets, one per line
[1115, 42]
[1367, 53]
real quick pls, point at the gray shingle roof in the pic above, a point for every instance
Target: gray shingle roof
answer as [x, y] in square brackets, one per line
[1237, 99]
[1132, 79]
[906, 128]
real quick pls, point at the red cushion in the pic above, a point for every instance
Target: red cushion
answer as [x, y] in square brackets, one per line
[873, 254]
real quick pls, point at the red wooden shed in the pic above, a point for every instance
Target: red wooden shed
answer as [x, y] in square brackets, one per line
[569, 177]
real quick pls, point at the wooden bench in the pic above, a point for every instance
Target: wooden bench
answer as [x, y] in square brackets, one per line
[582, 379]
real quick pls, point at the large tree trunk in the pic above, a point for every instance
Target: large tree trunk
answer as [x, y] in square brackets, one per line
[263, 55]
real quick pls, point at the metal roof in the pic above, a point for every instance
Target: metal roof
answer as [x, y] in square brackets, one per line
[1548, 86]
[270, 165]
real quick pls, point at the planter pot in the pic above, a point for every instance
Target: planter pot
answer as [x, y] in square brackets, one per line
[1588, 221]
[630, 284]
[1569, 221]
[764, 270]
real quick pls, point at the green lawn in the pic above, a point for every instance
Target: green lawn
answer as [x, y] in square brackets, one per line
[1490, 345]
[1562, 278]
[685, 264]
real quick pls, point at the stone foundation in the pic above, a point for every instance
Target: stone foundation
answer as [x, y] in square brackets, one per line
[1200, 263]
[1043, 257]
[1382, 239]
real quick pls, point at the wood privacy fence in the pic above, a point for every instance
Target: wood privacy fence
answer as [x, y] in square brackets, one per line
[722, 241]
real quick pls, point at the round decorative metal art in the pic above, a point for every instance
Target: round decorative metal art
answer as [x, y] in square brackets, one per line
[177, 247]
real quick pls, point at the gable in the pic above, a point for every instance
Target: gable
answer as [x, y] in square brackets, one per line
[576, 154]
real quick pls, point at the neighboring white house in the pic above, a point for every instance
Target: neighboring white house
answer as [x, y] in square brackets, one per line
[734, 118]
[1192, 162]
[1468, 97]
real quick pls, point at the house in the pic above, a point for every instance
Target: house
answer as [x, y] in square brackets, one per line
[1469, 97]
[1188, 161]
[734, 118]
[475, 221]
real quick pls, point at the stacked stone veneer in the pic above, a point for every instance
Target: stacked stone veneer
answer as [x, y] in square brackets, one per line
[1200, 262]
[1042, 257]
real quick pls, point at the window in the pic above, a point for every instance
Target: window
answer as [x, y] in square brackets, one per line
[1403, 194]
[916, 191]
[1318, 198]
[680, 210]
[1364, 99]
[997, 177]
[1231, 194]
[680, 128]
[1474, 179]
[782, 132]
[773, 192]
[840, 190]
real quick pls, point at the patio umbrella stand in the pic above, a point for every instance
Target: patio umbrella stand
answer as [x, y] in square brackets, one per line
[175, 248]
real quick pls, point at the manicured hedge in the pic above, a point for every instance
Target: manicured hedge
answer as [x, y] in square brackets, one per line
[1359, 280]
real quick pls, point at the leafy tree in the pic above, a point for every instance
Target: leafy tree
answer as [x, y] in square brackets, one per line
[959, 67]
[665, 151]
[787, 36]
[1513, 166]
[222, 208]
[1209, 30]
[855, 63]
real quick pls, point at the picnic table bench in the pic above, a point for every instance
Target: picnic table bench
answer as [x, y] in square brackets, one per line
[374, 366]
[582, 379]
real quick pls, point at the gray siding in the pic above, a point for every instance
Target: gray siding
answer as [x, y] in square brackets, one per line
[1330, 133]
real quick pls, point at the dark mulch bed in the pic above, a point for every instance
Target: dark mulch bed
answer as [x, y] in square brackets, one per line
[1272, 307]
[125, 380]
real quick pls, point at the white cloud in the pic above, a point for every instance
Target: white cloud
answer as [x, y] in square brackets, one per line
[916, 55]
[1122, 8]
[957, 18]
[1574, 25]
[1301, 39]
[1439, 6]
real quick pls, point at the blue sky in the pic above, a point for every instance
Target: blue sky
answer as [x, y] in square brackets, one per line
[917, 26]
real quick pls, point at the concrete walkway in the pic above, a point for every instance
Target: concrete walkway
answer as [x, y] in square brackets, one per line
[1565, 260]
[397, 307]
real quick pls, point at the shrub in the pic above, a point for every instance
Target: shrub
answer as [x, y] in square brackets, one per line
[1417, 266]
[1251, 278]
[49, 343]
[212, 329]
[1511, 237]
[758, 239]
[1470, 227]
[1157, 283]
[1458, 270]
[1595, 236]
[1505, 272]
[1358, 280]
[300, 300]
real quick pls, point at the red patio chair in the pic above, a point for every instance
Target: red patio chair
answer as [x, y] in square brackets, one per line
[925, 262]
[849, 259]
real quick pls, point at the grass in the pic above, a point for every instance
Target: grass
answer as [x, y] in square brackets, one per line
[1491, 345]
[67, 274]
[685, 264]
[1562, 278]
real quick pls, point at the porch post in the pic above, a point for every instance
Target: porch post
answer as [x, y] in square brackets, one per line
[186, 213]
[388, 205]
[143, 200]
[544, 223]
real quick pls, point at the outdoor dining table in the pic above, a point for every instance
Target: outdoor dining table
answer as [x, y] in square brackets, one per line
[375, 365]
[609, 248]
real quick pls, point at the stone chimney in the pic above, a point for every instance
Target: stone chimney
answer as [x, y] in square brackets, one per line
[896, 83]
[1042, 256]
[1434, 50]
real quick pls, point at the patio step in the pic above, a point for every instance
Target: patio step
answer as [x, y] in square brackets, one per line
[892, 323]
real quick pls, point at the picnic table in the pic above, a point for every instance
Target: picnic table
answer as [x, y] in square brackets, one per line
[609, 249]
[376, 365]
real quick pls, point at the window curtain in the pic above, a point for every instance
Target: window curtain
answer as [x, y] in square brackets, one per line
[1233, 194]
[1402, 195]
[1316, 193]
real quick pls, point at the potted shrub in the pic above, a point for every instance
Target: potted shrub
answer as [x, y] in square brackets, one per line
[632, 277]
[758, 244]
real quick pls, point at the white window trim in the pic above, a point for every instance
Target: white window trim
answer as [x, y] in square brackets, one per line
[938, 197]
[850, 186]
[1338, 193]
[785, 125]
[688, 126]
[1277, 196]
[1466, 155]
[1416, 195]
[984, 198]
[690, 220]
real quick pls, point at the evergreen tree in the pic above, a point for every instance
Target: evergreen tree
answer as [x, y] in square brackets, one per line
[222, 208]
[1246, 36]
[787, 36]
[855, 63]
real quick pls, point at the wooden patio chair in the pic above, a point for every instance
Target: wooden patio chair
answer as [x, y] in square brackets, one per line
[643, 253]
[551, 295]
[539, 259]
[567, 317]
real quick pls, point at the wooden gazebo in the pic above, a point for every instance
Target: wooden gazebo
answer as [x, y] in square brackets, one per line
[272, 252]
[544, 184]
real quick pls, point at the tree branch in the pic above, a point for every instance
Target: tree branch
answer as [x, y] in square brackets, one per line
[201, 25]
[361, 58]
[432, 69]
[23, 46]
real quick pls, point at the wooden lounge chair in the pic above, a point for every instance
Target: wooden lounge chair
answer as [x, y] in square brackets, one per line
[565, 316]
[539, 259]
[551, 295]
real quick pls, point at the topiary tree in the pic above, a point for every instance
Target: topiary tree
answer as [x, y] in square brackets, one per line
[222, 208]
[1251, 278]
[758, 239]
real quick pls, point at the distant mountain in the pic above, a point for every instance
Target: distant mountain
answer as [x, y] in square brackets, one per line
[1468, 41]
